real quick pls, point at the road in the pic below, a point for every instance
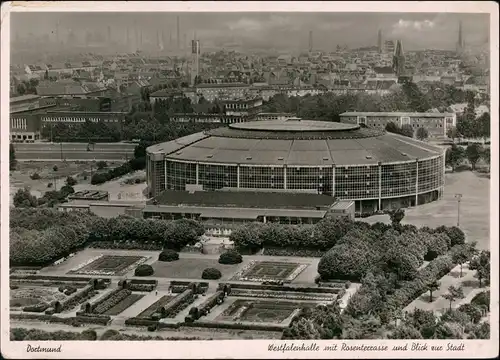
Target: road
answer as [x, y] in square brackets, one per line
[73, 151]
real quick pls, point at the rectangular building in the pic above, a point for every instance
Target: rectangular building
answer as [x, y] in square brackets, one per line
[437, 124]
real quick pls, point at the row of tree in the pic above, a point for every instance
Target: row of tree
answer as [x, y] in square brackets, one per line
[328, 322]
[455, 155]
[41, 236]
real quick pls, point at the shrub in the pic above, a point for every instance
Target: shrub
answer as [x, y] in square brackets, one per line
[101, 165]
[230, 257]
[144, 270]
[152, 327]
[35, 176]
[483, 298]
[211, 274]
[168, 255]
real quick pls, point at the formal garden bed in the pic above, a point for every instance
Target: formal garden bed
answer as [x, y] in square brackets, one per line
[108, 265]
[259, 271]
[261, 311]
[112, 304]
[155, 307]
[29, 296]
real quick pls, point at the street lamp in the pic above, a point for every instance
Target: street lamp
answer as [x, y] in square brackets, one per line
[459, 198]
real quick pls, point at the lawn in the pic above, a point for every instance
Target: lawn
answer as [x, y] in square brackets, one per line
[124, 304]
[270, 270]
[109, 265]
[260, 311]
[191, 268]
[164, 300]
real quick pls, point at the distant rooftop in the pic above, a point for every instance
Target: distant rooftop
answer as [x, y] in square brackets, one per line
[410, 114]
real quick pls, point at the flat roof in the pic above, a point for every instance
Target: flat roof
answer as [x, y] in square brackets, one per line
[234, 213]
[410, 114]
[293, 124]
[244, 199]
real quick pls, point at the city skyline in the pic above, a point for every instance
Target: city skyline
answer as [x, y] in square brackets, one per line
[273, 30]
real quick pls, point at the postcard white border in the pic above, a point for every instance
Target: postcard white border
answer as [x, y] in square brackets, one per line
[241, 348]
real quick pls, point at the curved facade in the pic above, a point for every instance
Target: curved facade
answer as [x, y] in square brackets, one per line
[376, 169]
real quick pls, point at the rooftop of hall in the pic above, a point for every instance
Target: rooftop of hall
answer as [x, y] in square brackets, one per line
[245, 198]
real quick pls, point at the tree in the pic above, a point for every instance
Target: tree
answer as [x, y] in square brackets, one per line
[405, 332]
[12, 161]
[463, 253]
[70, 181]
[422, 133]
[55, 168]
[433, 286]
[473, 153]
[407, 130]
[24, 199]
[485, 155]
[101, 165]
[482, 266]
[454, 156]
[452, 133]
[484, 127]
[454, 293]
[392, 127]
[396, 217]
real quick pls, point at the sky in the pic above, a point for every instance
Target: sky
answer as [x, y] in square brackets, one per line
[278, 29]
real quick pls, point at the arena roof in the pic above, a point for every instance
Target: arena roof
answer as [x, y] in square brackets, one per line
[261, 144]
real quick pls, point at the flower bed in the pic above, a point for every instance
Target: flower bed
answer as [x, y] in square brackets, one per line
[126, 246]
[100, 272]
[293, 252]
[85, 263]
[77, 298]
[141, 287]
[179, 303]
[281, 295]
[241, 275]
[124, 304]
[111, 301]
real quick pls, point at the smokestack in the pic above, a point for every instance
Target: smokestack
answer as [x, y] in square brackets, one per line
[178, 33]
[310, 41]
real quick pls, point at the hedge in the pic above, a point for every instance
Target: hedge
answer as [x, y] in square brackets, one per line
[236, 326]
[179, 303]
[140, 322]
[141, 287]
[68, 320]
[102, 300]
[75, 299]
[55, 278]
[318, 290]
[211, 302]
[37, 308]
[144, 281]
[411, 290]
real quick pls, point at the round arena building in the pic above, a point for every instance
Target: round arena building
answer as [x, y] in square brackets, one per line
[376, 169]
